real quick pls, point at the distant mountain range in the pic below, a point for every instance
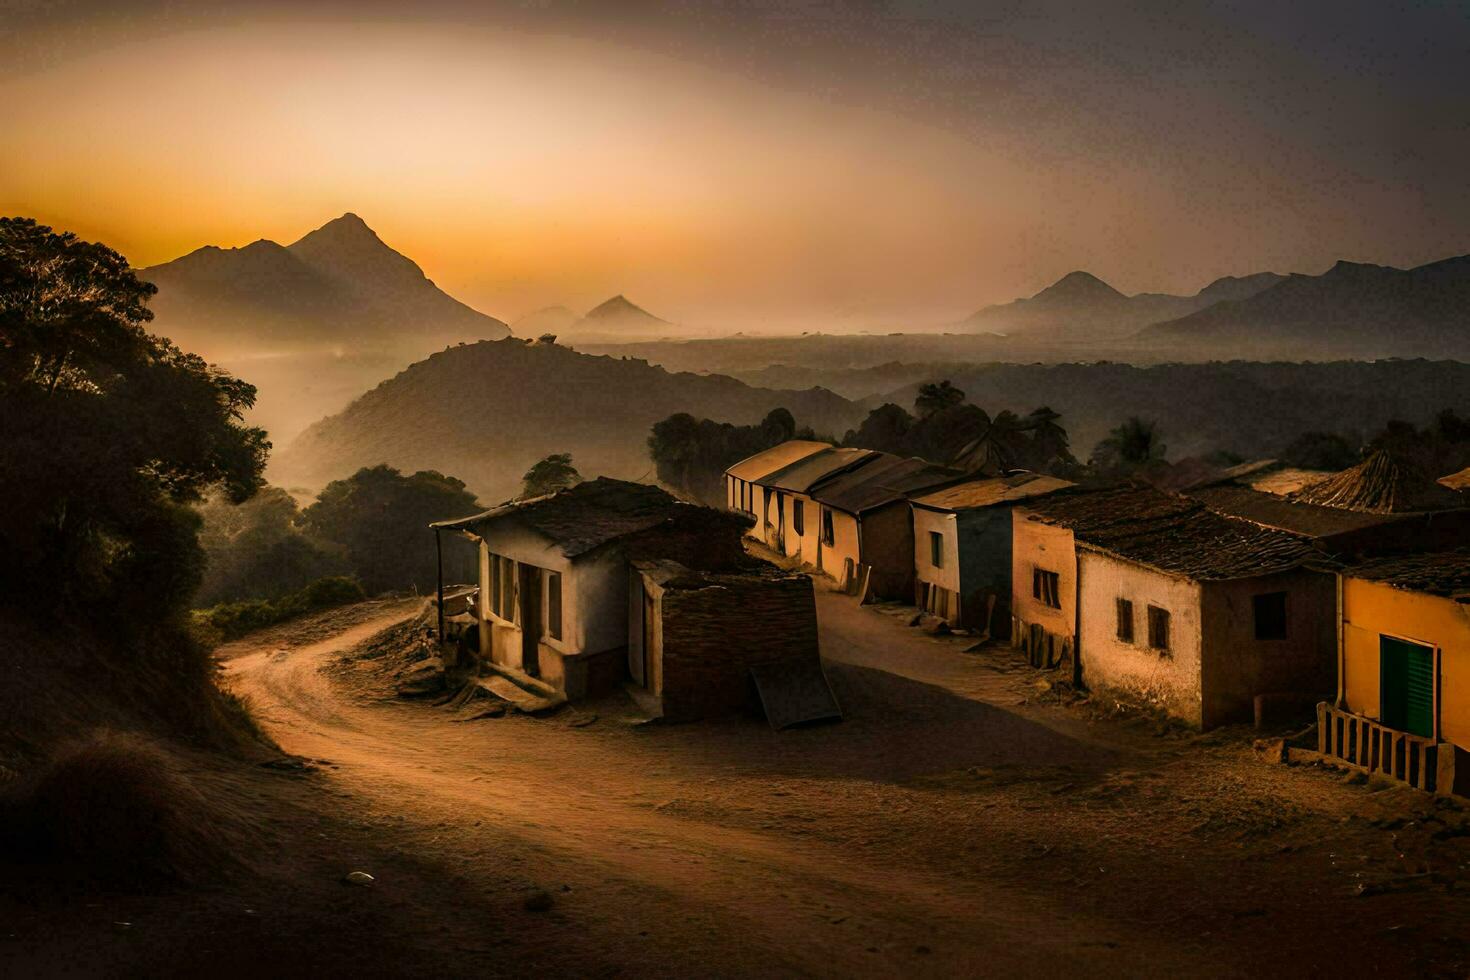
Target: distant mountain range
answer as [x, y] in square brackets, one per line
[444, 413]
[1083, 307]
[612, 321]
[338, 287]
[1352, 310]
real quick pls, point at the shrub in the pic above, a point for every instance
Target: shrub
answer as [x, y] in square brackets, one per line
[113, 809]
[234, 619]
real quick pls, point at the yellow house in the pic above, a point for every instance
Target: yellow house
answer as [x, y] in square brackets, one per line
[741, 492]
[1403, 699]
[788, 520]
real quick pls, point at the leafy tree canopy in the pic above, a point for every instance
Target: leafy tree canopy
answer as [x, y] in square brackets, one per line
[549, 475]
[1129, 447]
[108, 432]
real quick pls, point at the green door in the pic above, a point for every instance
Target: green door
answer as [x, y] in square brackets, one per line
[1406, 686]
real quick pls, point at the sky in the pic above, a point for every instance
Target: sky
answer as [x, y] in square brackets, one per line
[864, 165]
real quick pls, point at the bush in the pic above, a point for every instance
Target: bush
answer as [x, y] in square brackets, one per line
[234, 619]
[111, 807]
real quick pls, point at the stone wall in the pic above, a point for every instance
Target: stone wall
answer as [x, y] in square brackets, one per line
[713, 628]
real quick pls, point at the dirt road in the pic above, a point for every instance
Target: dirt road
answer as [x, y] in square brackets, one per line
[952, 825]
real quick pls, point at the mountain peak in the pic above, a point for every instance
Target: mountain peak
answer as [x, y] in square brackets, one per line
[616, 308]
[348, 230]
[1079, 286]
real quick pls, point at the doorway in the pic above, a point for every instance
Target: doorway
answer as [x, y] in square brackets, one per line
[1406, 686]
[530, 619]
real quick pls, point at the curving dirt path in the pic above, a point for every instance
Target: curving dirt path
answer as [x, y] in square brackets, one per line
[851, 849]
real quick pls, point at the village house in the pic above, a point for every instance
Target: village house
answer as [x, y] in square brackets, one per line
[708, 643]
[962, 548]
[554, 573]
[1377, 507]
[788, 520]
[1149, 593]
[741, 492]
[1403, 691]
[866, 539]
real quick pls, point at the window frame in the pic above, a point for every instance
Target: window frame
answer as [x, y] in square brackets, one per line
[829, 529]
[798, 516]
[936, 549]
[1159, 624]
[1126, 621]
[1046, 587]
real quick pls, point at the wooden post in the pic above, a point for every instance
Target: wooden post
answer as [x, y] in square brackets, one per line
[439, 560]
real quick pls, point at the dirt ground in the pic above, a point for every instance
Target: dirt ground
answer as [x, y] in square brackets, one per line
[960, 821]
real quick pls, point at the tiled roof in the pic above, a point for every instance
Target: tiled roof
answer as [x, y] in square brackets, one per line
[770, 460]
[974, 494]
[1171, 533]
[1381, 484]
[802, 475]
[1269, 510]
[1442, 573]
[880, 481]
[591, 514]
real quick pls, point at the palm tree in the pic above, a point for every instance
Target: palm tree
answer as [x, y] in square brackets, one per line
[1129, 446]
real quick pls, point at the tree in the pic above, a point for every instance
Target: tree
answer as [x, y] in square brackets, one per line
[936, 397]
[109, 434]
[259, 549]
[1320, 451]
[551, 474]
[886, 429]
[691, 455]
[1128, 447]
[378, 521]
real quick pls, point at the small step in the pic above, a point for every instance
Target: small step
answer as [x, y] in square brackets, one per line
[518, 697]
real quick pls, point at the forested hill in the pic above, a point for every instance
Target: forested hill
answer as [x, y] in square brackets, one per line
[485, 412]
[1246, 407]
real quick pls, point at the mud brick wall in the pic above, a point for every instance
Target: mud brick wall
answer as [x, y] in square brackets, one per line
[712, 635]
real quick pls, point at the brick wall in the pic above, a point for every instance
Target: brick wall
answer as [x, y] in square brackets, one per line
[713, 631]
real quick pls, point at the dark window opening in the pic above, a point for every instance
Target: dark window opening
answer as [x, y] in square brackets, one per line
[1125, 620]
[798, 517]
[828, 535]
[1047, 587]
[553, 604]
[1270, 614]
[936, 549]
[1158, 629]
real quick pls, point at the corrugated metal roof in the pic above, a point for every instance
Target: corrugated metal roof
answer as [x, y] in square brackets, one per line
[881, 481]
[770, 460]
[802, 475]
[974, 494]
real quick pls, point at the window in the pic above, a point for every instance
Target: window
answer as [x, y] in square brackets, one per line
[1158, 629]
[553, 605]
[798, 517]
[1047, 587]
[828, 535]
[765, 505]
[495, 585]
[1270, 614]
[936, 549]
[508, 590]
[1125, 620]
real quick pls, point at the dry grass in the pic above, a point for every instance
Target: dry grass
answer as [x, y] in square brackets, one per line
[113, 808]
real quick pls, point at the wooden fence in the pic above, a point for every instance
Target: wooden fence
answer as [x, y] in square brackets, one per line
[1364, 744]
